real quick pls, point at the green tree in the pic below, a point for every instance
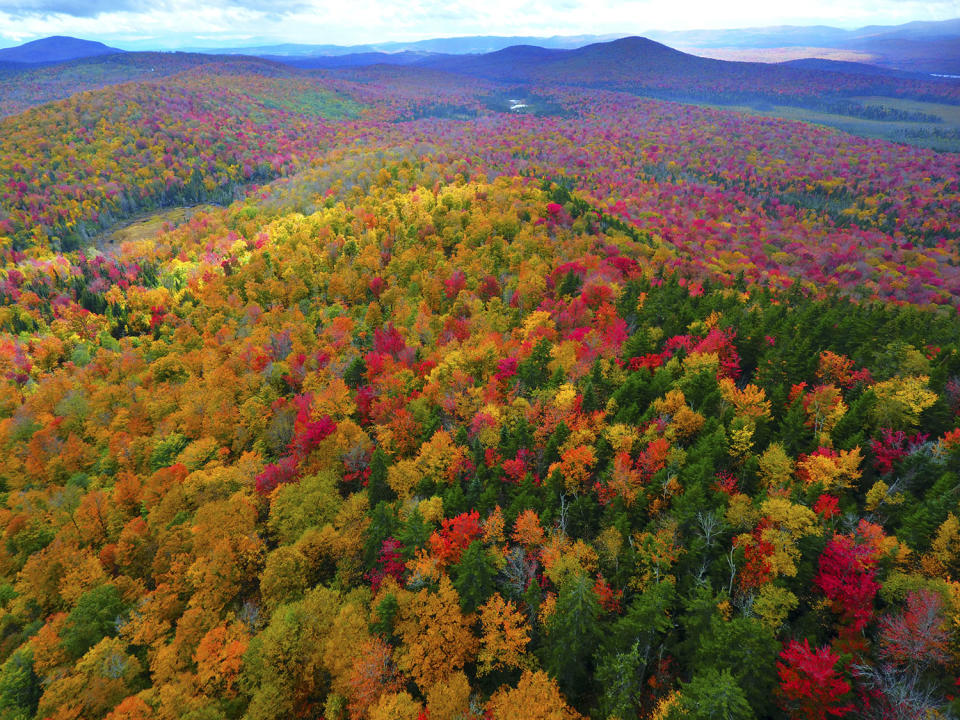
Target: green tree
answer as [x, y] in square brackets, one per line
[383, 524]
[623, 656]
[572, 635]
[473, 576]
[93, 618]
[377, 488]
[620, 679]
[745, 649]
[19, 686]
[413, 534]
[534, 372]
[712, 695]
[312, 502]
[283, 667]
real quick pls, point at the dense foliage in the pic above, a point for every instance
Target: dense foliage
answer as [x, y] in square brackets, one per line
[629, 409]
[25, 87]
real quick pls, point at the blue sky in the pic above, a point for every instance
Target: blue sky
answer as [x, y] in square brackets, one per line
[134, 24]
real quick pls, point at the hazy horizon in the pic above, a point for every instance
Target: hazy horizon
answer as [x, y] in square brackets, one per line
[126, 25]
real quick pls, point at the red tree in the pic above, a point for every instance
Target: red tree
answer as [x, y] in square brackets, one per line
[846, 576]
[810, 686]
[453, 538]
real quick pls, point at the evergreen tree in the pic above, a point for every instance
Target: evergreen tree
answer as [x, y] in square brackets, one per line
[413, 534]
[746, 650]
[534, 372]
[377, 488]
[712, 695]
[572, 634]
[473, 576]
[383, 525]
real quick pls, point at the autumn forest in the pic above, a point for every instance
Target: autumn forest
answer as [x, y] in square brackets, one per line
[428, 393]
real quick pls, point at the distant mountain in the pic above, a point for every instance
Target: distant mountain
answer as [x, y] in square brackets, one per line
[329, 62]
[929, 47]
[643, 66]
[763, 37]
[932, 55]
[492, 43]
[477, 44]
[632, 64]
[55, 49]
[804, 36]
[288, 50]
[512, 64]
[919, 30]
[850, 68]
[633, 61]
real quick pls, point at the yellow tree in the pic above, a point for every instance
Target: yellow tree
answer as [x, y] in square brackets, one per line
[396, 706]
[505, 635]
[449, 699]
[830, 468]
[900, 401]
[103, 677]
[824, 407]
[436, 637]
[943, 560]
[776, 467]
[536, 697]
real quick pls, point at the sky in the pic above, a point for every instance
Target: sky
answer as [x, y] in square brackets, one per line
[169, 24]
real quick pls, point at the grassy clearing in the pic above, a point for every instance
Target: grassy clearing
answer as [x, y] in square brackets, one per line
[950, 114]
[943, 136]
[147, 226]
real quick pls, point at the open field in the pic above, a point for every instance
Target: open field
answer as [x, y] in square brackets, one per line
[148, 225]
[943, 136]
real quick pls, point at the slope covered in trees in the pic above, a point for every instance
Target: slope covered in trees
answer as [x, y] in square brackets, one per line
[628, 410]
[643, 66]
[23, 86]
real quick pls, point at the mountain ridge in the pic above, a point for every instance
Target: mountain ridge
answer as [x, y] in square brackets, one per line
[919, 46]
[56, 48]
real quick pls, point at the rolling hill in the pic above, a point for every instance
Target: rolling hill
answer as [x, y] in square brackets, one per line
[23, 86]
[643, 66]
[636, 65]
[55, 49]
[360, 59]
[851, 68]
[931, 47]
[454, 46]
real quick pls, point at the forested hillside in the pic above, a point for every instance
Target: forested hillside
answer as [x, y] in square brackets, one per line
[616, 408]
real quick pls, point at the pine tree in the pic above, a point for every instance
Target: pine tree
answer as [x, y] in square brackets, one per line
[377, 488]
[572, 634]
[712, 695]
[473, 576]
